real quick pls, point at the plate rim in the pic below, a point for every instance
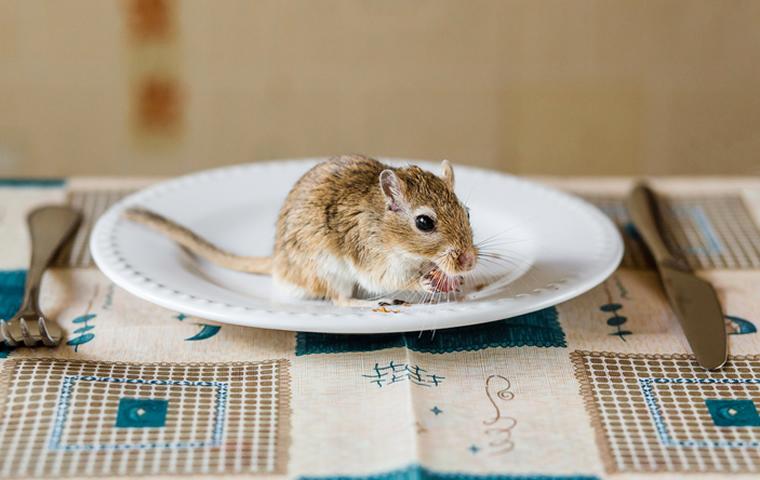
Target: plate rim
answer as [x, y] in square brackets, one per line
[463, 314]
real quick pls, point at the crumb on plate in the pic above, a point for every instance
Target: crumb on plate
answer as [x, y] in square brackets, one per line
[383, 309]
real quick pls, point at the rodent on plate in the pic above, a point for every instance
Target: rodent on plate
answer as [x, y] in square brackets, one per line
[353, 228]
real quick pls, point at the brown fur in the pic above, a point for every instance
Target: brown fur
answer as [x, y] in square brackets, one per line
[338, 216]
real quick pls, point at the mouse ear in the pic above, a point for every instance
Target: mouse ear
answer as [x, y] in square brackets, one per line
[391, 187]
[447, 172]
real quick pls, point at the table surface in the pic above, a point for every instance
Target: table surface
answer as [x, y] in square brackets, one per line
[600, 386]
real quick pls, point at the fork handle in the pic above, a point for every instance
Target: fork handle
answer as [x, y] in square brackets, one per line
[49, 228]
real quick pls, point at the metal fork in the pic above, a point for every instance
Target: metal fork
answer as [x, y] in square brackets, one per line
[49, 228]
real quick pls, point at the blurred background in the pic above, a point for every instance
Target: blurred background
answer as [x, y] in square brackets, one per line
[162, 87]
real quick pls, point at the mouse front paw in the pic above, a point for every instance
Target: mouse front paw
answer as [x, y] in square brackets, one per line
[427, 285]
[436, 281]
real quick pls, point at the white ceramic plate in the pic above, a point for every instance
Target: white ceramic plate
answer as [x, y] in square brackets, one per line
[555, 247]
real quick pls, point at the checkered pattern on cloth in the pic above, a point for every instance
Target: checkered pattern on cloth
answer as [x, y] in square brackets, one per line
[92, 204]
[710, 232]
[651, 413]
[59, 418]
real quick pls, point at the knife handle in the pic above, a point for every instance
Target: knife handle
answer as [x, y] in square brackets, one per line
[646, 216]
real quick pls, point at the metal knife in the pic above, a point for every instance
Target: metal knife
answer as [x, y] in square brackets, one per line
[694, 300]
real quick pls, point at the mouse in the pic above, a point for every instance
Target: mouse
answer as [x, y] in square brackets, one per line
[356, 232]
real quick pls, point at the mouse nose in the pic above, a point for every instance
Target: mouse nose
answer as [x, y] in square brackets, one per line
[466, 260]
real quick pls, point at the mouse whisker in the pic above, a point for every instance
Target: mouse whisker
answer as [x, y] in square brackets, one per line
[503, 254]
[499, 244]
[498, 234]
[493, 260]
[429, 299]
[424, 298]
[419, 297]
[490, 255]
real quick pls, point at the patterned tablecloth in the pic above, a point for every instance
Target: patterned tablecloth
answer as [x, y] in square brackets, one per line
[602, 386]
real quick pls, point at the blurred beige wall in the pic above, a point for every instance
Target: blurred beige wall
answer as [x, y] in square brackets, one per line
[563, 87]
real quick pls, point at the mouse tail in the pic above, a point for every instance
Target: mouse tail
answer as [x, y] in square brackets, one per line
[198, 245]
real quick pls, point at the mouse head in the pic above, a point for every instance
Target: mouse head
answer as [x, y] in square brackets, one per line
[425, 218]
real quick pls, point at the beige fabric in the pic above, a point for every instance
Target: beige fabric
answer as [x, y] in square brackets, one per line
[505, 410]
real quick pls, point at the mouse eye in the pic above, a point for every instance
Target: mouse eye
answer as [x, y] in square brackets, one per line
[424, 223]
[466, 209]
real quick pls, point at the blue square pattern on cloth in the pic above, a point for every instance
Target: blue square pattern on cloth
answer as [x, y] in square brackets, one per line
[135, 412]
[141, 413]
[722, 412]
[537, 329]
[733, 412]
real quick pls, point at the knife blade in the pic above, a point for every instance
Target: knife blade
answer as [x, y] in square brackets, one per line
[693, 299]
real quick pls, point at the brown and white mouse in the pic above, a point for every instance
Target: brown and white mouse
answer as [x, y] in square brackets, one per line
[353, 228]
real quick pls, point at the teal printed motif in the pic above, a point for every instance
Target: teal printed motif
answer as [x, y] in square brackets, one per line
[32, 182]
[11, 292]
[733, 412]
[206, 331]
[621, 287]
[11, 296]
[399, 372]
[83, 334]
[630, 229]
[141, 413]
[416, 472]
[616, 320]
[537, 329]
[739, 326]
